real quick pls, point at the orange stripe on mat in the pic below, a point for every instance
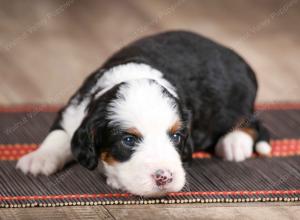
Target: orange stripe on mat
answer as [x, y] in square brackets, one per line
[125, 195]
[280, 148]
[30, 108]
[277, 106]
[56, 107]
[69, 196]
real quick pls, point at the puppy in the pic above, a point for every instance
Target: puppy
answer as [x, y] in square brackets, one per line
[144, 110]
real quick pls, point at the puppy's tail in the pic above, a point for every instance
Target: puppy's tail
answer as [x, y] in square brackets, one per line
[262, 143]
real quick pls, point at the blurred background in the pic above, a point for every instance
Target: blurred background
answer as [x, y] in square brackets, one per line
[47, 48]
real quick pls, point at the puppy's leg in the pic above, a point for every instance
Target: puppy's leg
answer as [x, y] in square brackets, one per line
[235, 146]
[55, 151]
[52, 155]
[238, 144]
[262, 145]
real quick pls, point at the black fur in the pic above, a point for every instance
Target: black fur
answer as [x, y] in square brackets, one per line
[215, 83]
[216, 89]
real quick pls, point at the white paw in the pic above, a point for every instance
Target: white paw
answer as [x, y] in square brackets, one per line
[235, 146]
[113, 182]
[51, 156]
[40, 162]
[263, 148]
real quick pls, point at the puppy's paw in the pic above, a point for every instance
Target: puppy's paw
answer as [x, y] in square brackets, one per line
[40, 162]
[235, 146]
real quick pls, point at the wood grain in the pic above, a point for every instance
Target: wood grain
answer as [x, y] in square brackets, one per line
[45, 55]
[84, 213]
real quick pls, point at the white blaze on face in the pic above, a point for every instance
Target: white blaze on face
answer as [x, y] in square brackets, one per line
[131, 71]
[144, 106]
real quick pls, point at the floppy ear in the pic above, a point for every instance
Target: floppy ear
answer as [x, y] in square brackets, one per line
[187, 150]
[84, 142]
[89, 137]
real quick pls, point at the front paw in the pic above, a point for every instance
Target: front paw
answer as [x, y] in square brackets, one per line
[40, 162]
[235, 146]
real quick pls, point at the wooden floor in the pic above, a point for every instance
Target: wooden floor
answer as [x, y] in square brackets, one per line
[48, 47]
[157, 212]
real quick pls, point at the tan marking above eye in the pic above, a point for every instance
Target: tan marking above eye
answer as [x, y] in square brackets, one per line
[175, 127]
[134, 131]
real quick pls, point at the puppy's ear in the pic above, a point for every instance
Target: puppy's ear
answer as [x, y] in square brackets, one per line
[83, 143]
[187, 150]
[91, 135]
[188, 147]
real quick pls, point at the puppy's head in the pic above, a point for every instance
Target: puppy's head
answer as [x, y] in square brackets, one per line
[140, 131]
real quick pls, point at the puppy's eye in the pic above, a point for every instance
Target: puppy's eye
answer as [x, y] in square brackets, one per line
[129, 140]
[176, 138]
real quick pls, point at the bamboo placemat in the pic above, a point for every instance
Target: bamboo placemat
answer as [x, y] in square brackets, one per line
[209, 179]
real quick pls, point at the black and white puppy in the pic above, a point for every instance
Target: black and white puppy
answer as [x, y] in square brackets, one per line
[146, 108]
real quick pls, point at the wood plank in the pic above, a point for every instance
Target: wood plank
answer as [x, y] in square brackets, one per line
[72, 212]
[161, 211]
[64, 49]
[206, 212]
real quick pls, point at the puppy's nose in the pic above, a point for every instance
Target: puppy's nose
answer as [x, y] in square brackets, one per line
[162, 177]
